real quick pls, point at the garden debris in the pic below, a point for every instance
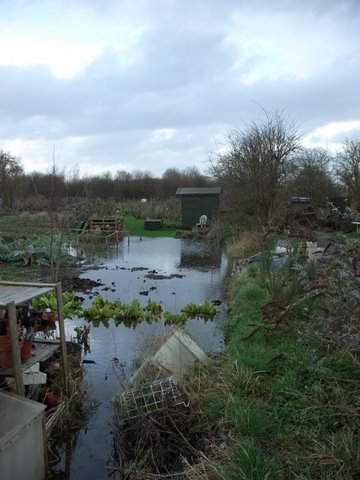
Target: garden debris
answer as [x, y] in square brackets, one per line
[176, 356]
[154, 417]
[313, 251]
[151, 398]
[337, 323]
[164, 441]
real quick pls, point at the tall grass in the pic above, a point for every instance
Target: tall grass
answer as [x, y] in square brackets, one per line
[289, 397]
[244, 244]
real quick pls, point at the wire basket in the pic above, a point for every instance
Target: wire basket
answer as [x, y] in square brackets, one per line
[151, 398]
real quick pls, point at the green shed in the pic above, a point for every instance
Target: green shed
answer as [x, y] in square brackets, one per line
[198, 201]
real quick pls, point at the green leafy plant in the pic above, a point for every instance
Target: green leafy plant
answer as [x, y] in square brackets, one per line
[205, 310]
[35, 252]
[72, 305]
[153, 307]
[177, 319]
[44, 302]
[131, 314]
[4, 251]
[100, 311]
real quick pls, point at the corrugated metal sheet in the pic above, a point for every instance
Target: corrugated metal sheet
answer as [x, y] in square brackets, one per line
[20, 293]
[199, 191]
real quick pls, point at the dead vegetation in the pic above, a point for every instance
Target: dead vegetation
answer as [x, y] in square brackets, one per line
[72, 413]
[247, 242]
[172, 441]
[283, 400]
[337, 323]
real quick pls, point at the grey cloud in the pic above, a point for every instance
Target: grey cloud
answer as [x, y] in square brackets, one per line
[351, 134]
[133, 150]
[84, 107]
[180, 77]
[107, 98]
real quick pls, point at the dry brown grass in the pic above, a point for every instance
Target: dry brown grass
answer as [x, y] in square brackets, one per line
[249, 242]
[176, 441]
[75, 409]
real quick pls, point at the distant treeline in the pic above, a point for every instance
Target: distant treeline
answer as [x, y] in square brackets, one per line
[120, 186]
[260, 168]
[25, 190]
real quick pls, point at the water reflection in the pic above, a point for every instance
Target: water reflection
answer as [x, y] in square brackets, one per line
[199, 255]
[192, 272]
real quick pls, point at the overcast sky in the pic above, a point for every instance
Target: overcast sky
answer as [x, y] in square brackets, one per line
[154, 84]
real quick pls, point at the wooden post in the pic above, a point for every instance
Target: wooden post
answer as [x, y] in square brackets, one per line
[15, 349]
[62, 336]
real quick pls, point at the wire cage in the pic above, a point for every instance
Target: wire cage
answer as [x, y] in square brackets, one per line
[147, 399]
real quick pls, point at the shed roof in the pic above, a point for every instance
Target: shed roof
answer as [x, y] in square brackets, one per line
[199, 191]
[22, 292]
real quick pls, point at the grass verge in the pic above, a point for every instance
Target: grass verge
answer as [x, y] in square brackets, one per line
[135, 227]
[290, 377]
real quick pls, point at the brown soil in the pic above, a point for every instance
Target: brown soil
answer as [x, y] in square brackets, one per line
[77, 284]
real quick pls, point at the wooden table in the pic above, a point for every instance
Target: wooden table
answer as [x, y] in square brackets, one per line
[43, 349]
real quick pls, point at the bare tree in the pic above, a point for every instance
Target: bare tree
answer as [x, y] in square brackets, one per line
[312, 175]
[10, 173]
[255, 163]
[348, 170]
[59, 224]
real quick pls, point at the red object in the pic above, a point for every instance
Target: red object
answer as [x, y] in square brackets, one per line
[48, 397]
[26, 350]
[6, 360]
[48, 316]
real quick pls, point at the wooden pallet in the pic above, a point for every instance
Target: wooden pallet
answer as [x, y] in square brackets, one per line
[105, 224]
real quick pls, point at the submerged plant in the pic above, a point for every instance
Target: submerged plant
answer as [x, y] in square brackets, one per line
[205, 310]
[131, 314]
[153, 307]
[100, 311]
[175, 319]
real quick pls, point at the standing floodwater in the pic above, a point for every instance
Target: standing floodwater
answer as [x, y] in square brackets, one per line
[173, 271]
